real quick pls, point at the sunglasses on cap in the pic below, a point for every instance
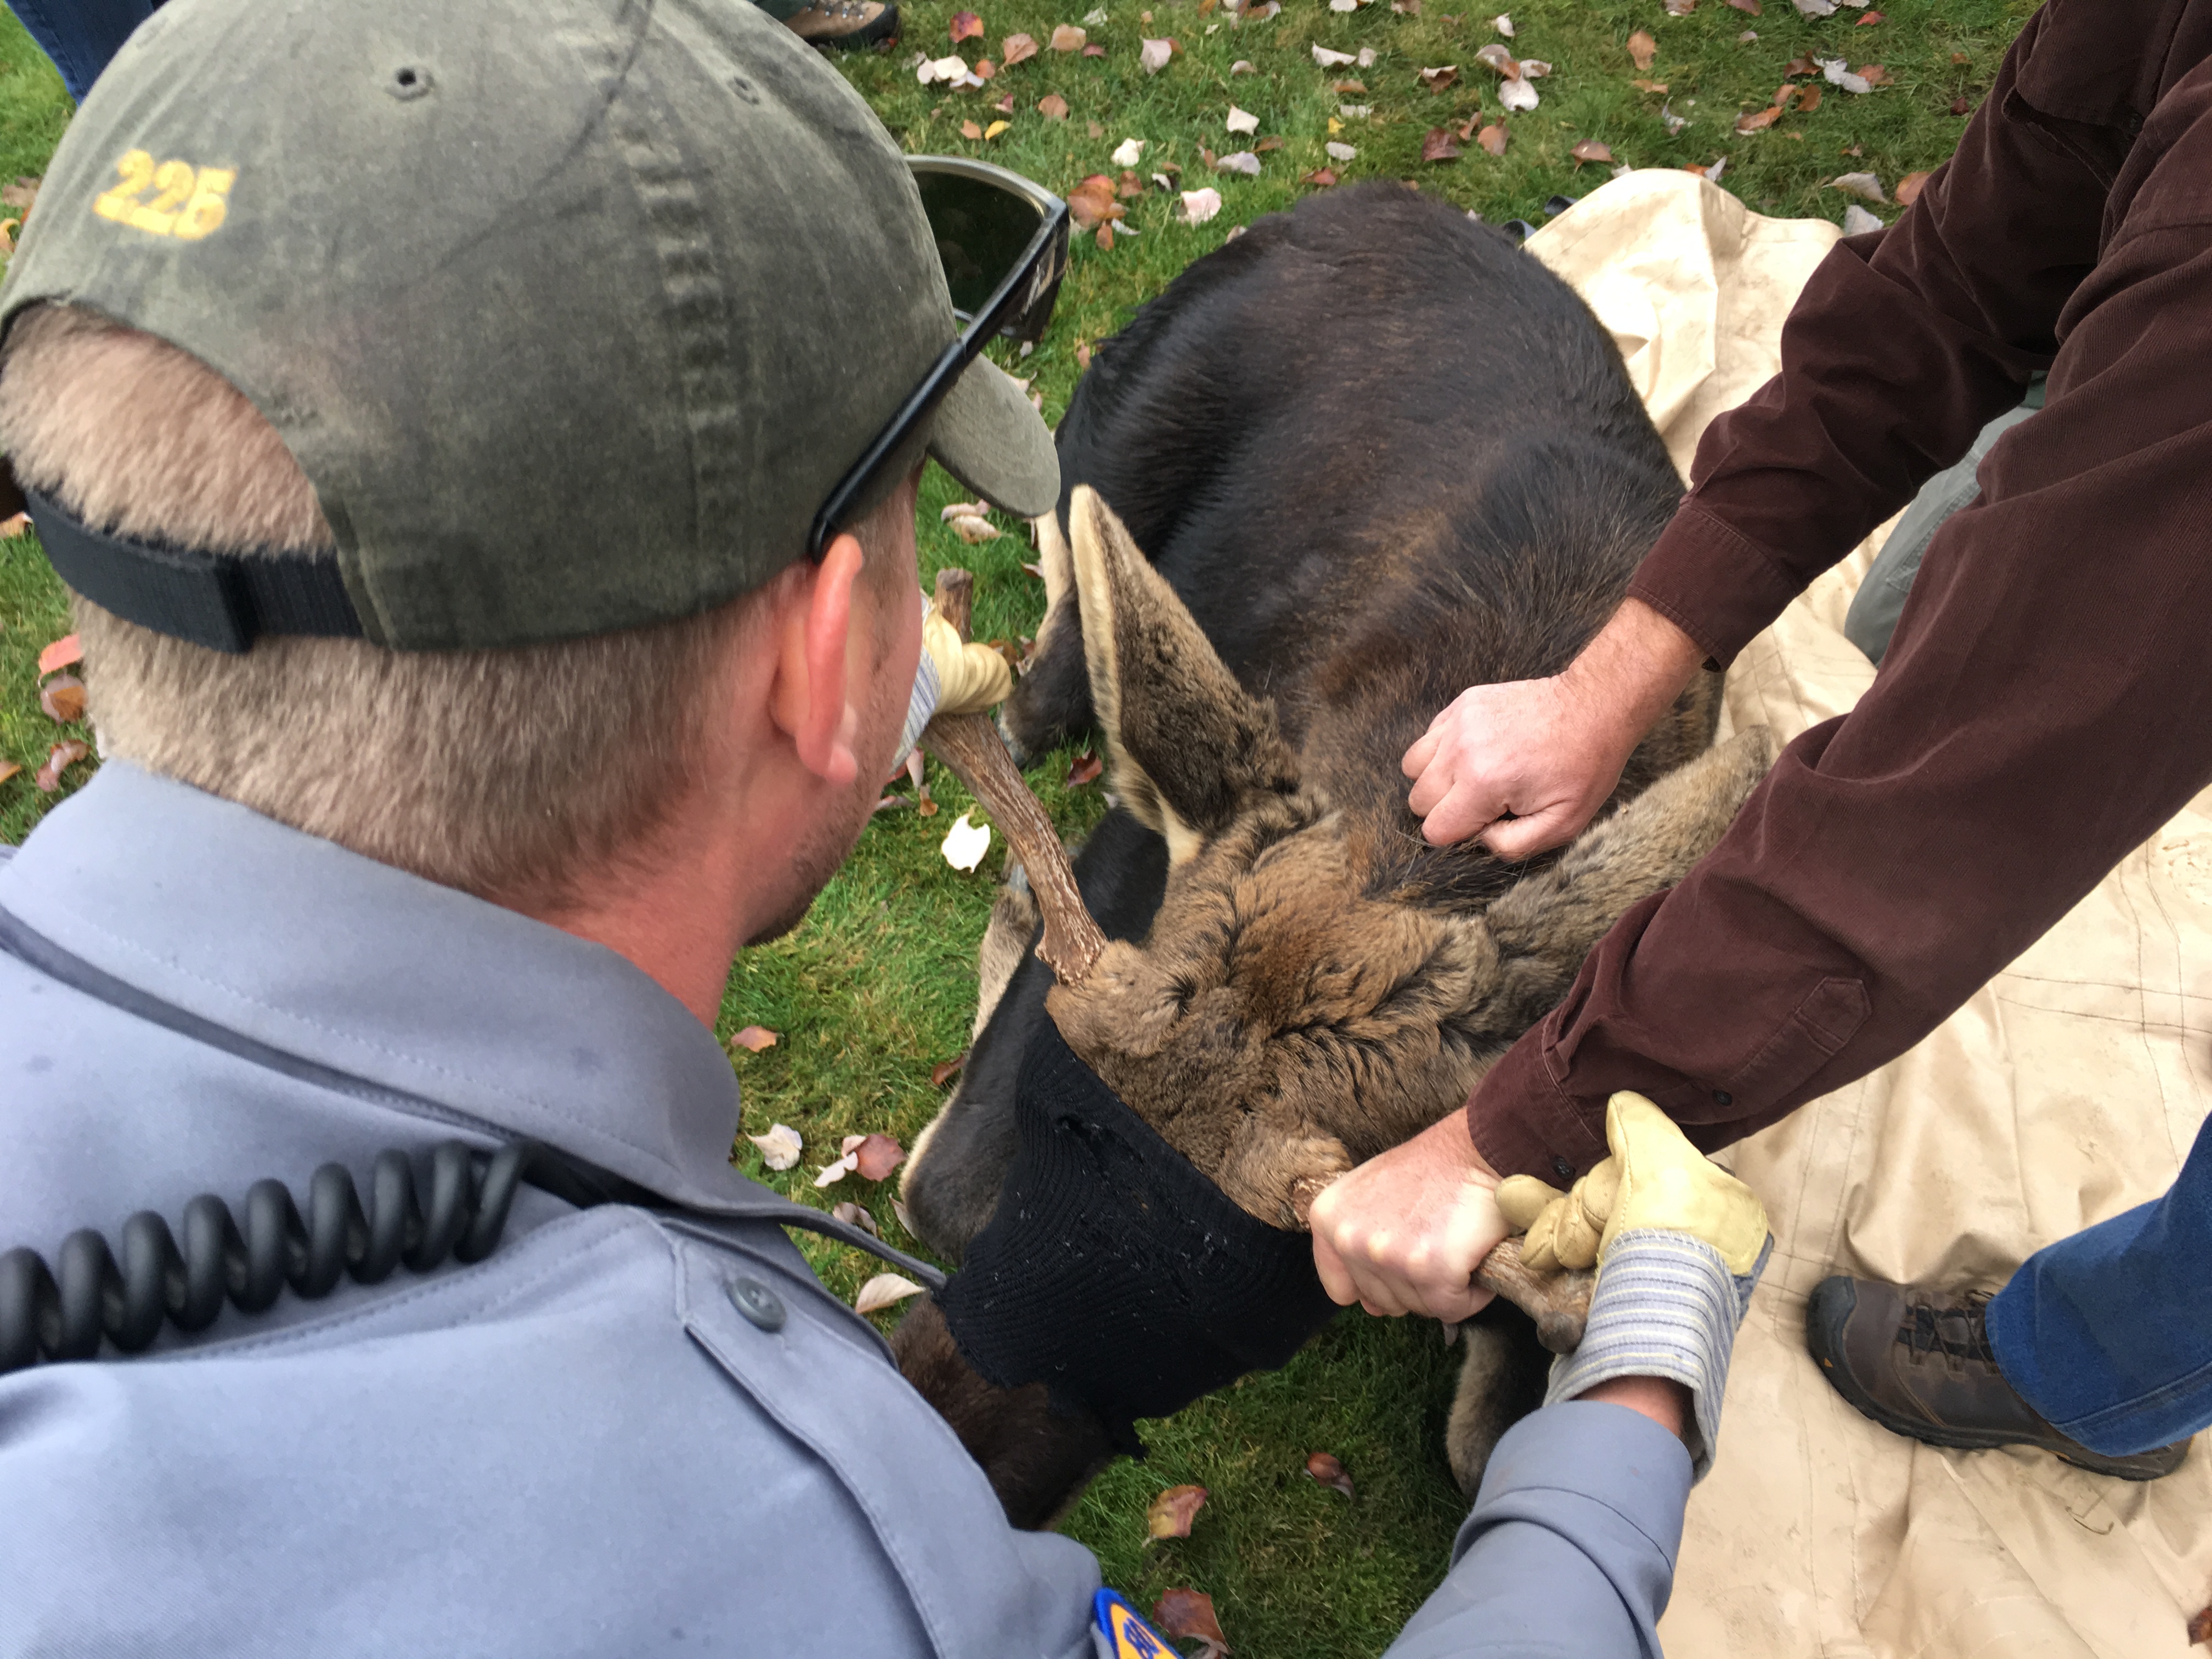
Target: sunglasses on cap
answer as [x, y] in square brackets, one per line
[1003, 241]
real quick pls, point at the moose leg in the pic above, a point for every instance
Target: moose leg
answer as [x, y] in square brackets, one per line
[1501, 1381]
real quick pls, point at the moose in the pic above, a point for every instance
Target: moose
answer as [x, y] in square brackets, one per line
[1360, 458]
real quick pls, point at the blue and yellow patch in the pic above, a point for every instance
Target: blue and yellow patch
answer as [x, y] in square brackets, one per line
[1122, 1634]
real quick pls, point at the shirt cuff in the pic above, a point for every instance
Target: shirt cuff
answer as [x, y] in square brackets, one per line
[1522, 1123]
[1712, 581]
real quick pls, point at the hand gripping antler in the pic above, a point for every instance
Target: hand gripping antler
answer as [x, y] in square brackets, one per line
[970, 747]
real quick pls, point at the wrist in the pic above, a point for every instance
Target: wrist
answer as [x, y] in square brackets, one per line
[1634, 667]
[1662, 1399]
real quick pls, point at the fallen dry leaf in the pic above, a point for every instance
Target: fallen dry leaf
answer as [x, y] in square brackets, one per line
[1750, 6]
[1199, 205]
[65, 653]
[1642, 49]
[1094, 51]
[1857, 222]
[884, 1290]
[1154, 55]
[945, 1070]
[13, 525]
[1016, 49]
[1067, 38]
[1837, 75]
[969, 129]
[2200, 1628]
[779, 1147]
[1086, 769]
[1169, 1515]
[878, 1156]
[1321, 178]
[1659, 87]
[1340, 152]
[1242, 120]
[1867, 20]
[1534, 69]
[1681, 8]
[1437, 145]
[1352, 86]
[966, 25]
[1094, 201]
[1328, 59]
[1808, 100]
[857, 1215]
[1244, 161]
[1053, 106]
[21, 194]
[1797, 66]
[755, 1038]
[1190, 1614]
[965, 843]
[59, 759]
[1759, 120]
[1436, 80]
[1591, 150]
[1503, 24]
[995, 129]
[1516, 95]
[1128, 152]
[1005, 106]
[1497, 57]
[8, 769]
[1863, 184]
[984, 69]
[830, 1174]
[1325, 1468]
[1873, 75]
[1960, 107]
[1493, 138]
[1908, 188]
[63, 698]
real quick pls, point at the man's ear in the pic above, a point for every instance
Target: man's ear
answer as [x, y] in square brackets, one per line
[1189, 747]
[810, 702]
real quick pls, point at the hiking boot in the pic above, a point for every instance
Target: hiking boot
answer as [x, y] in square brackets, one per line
[841, 23]
[1923, 1368]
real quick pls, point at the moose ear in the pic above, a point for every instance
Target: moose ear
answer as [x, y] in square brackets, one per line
[1189, 746]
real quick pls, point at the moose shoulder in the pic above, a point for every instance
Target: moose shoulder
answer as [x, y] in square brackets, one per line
[1364, 456]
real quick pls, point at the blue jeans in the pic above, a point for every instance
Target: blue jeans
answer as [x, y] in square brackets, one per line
[2109, 1334]
[81, 35]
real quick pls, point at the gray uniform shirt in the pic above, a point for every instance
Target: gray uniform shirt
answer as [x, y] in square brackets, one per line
[582, 1444]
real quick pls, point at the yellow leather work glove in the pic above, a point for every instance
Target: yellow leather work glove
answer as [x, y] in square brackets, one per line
[1654, 1179]
[970, 676]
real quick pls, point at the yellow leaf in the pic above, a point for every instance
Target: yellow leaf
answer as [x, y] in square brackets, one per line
[996, 128]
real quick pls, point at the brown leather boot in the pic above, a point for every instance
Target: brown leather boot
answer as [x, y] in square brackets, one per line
[841, 23]
[1921, 1365]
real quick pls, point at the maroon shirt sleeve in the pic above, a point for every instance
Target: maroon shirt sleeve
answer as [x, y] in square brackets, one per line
[2047, 701]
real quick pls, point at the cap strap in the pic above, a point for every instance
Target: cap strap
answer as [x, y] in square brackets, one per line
[220, 600]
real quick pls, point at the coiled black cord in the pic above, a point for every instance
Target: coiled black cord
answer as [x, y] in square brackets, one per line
[63, 1313]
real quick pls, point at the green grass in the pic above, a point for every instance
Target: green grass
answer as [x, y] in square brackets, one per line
[878, 985]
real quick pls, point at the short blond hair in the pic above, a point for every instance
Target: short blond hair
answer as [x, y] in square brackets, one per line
[504, 773]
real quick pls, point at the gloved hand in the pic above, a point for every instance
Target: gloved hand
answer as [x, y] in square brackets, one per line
[1655, 1179]
[954, 677]
[1679, 1244]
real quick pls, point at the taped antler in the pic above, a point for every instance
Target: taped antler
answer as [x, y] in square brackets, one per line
[969, 745]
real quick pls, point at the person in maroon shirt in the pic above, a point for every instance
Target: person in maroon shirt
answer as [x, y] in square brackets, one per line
[2044, 706]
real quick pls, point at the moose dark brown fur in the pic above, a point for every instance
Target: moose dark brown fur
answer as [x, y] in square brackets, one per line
[1375, 454]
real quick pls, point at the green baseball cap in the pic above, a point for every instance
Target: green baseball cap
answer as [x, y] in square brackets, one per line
[574, 313]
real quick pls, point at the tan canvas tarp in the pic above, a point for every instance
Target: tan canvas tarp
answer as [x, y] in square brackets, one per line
[2067, 1090]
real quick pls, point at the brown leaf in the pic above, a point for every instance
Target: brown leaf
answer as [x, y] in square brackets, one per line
[884, 1290]
[1495, 57]
[1642, 49]
[1590, 151]
[1053, 106]
[1681, 8]
[1873, 75]
[63, 698]
[856, 1215]
[1353, 86]
[1750, 6]
[1094, 51]
[1437, 146]
[1189, 1613]
[755, 1038]
[969, 129]
[1655, 87]
[985, 70]
[945, 1070]
[1082, 361]
[1169, 1515]
[1128, 186]
[13, 525]
[1322, 178]
[25, 190]
[1808, 100]
[1908, 188]
[65, 653]
[1759, 120]
[1436, 80]
[1093, 202]
[1868, 19]
[879, 1155]
[1325, 1468]
[1271, 142]
[2200, 1628]
[1493, 138]
[1960, 107]
[1797, 66]
[1005, 105]
[1086, 769]
[1067, 38]
[966, 25]
[8, 769]
[1016, 49]
[59, 759]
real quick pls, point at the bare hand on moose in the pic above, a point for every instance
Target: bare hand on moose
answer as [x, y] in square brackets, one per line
[1404, 1232]
[1548, 752]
